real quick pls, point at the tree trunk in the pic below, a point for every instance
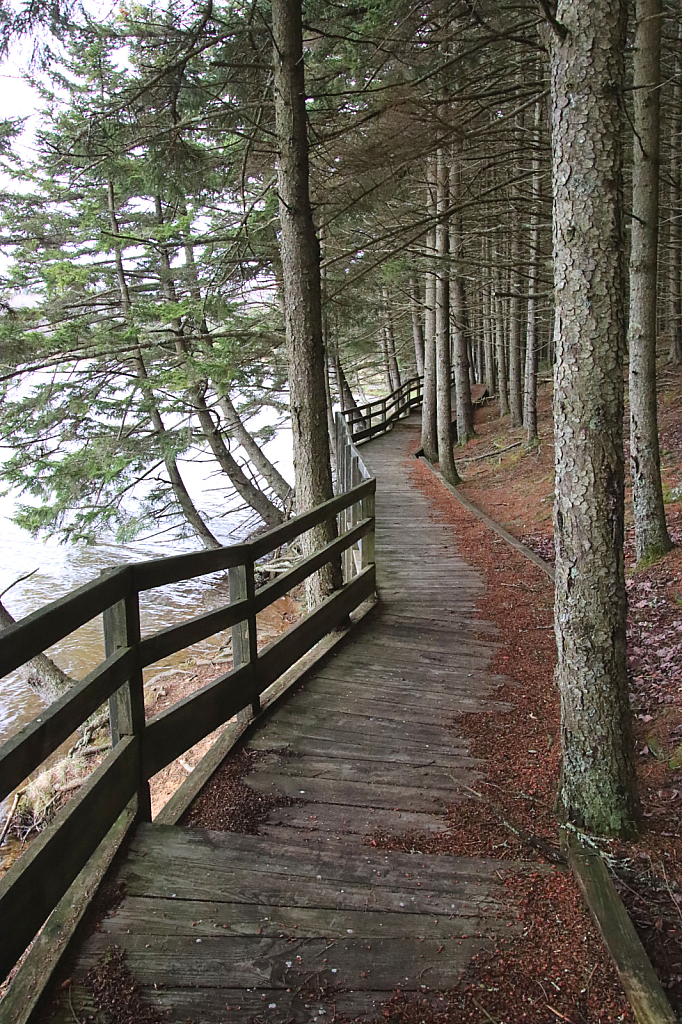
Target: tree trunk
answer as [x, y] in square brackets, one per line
[651, 533]
[443, 368]
[530, 403]
[393, 369]
[181, 493]
[460, 325]
[42, 675]
[488, 347]
[302, 298]
[429, 408]
[417, 329]
[675, 356]
[500, 348]
[598, 788]
[515, 405]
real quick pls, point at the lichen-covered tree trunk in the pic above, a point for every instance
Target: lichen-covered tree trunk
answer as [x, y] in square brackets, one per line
[301, 282]
[651, 533]
[598, 789]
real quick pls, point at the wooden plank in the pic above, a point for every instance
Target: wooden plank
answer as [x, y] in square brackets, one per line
[181, 726]
[372, 773]
[159, 572]
[235, 962]
[38, 631]
[37, 881]
[200, 919]
[642, 987]
[25, 751]
[405, 798]
[338, 820]
[40, 964]
[222, 851]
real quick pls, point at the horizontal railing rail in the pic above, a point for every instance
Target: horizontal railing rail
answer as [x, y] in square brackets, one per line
[372, 418]
[140, 748]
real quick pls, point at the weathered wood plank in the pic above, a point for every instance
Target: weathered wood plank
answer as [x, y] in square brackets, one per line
[643, 989]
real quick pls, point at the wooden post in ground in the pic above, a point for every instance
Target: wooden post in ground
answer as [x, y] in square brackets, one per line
[121, 625]
[244, 633]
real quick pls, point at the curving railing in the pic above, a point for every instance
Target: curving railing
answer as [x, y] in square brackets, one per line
[141, 747]
[371, 418]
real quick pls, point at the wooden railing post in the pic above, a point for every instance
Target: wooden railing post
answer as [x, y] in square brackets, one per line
[367, 542]
[121, 625]
[244, 634]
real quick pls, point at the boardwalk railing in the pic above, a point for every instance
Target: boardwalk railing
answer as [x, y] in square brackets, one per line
[365, 421]
[140, 748]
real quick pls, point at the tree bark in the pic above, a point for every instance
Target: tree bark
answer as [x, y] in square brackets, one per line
[429, 408]
[443, 367]
[651, 532]
[460, 322]
[530, 404]
[417, 328]
[675, 355]
[42, 674]
[500, 348]
[598, 788]
[302, 296]
[393, 369]
[487, 299]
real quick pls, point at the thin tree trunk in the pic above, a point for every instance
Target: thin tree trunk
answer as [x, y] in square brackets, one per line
[417, 328]
[598, 787]
[460, 324]
[487, 300]
[393, 369]
[530, 404]
[429, 407]
[500, 346]
[443, 368]
[651, 533]
[302, 299]
[515, 405]
[181, 493]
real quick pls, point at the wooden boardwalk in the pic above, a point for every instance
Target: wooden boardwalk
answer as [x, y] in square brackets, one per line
[221, 927]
